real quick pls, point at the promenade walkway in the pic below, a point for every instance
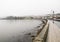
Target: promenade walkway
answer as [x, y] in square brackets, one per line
[53, 33]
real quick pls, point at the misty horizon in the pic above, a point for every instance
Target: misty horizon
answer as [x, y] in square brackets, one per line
[28, 7]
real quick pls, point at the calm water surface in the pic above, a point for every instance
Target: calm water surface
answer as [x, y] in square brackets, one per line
[57, 23]
[10, 30]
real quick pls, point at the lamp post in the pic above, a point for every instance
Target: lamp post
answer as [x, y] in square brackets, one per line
[53, 16]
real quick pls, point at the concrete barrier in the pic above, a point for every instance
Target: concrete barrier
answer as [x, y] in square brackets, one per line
[42, 34]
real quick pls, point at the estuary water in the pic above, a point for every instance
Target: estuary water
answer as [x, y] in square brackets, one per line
[15, 30]
[57, 23]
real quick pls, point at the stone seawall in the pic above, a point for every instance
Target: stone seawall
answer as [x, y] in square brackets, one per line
[42, 33]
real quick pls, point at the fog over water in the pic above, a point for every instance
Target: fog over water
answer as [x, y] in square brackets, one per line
[28, 7]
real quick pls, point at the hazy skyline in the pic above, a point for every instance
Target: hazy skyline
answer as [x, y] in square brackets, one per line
[28, 7]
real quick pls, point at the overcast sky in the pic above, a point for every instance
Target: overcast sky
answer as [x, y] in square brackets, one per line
[28, 7]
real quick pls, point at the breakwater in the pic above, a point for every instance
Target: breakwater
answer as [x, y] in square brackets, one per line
[42, 33]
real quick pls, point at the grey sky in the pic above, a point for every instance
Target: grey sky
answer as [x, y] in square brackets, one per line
[28, 7]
